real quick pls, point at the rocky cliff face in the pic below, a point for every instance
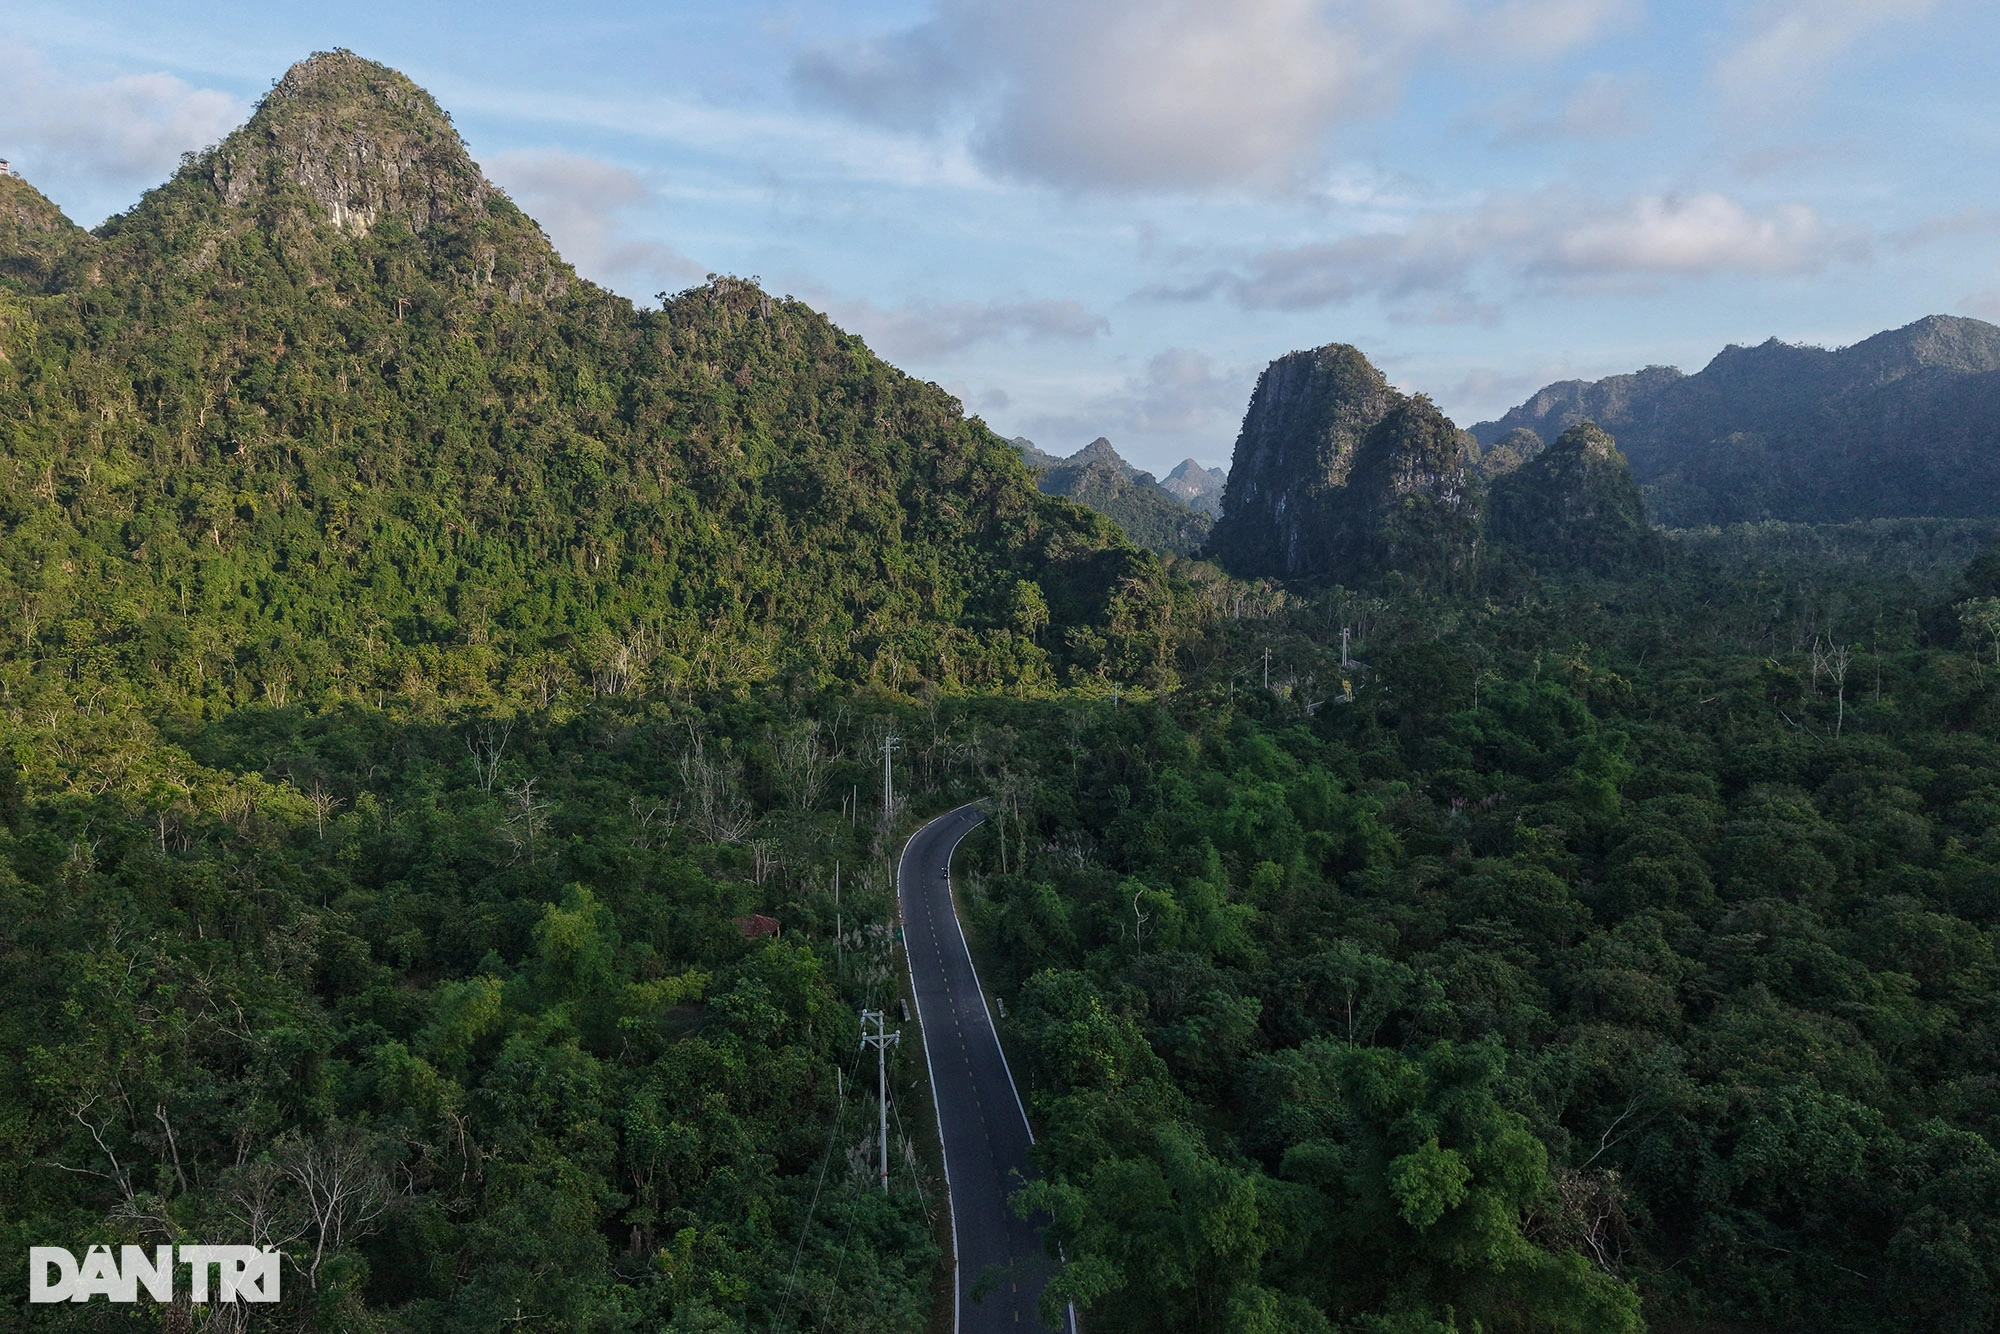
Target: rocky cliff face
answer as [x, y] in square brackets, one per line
[1573, 506]
[360, 142]
[338, 150]
[1410, 503]
[1308, 416]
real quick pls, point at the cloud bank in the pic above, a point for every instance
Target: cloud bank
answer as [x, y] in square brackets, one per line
[1790, 47]
[111, 137]
[918, 330]
[1167, 94]
[1429, 272]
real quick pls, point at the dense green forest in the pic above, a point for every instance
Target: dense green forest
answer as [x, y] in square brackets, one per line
[1543, 984]
[421, 670]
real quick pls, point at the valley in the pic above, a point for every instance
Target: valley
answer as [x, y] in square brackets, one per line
[459, 731]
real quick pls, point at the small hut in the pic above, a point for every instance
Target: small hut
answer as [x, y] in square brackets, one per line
[757, 925]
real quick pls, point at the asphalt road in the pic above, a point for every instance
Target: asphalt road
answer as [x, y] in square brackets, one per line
[1001, 1266]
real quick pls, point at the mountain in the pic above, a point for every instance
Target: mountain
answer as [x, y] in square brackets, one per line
[35, 238]
[1410, 503]
[1198, 487]
[1903, 424]
[1037, 459]
[1097, 477]
[1307, 416]
[326, 415]
[1574, 505]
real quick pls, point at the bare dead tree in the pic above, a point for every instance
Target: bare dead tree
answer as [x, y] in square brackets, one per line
[656, 820]
[323, 804]
[526, 821]
[1832, 661]
[805, 764]
[623, 667]
[714, 804]
[487, 743]
[343, 1190]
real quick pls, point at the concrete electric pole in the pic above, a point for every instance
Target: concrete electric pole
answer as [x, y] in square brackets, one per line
[881, 1040]
[889, 744]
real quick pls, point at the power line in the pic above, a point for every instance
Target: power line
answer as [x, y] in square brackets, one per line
[839, 1107]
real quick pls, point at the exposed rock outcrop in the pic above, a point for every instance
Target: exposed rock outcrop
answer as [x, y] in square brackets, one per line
[1308, 416]
[1197, 487]
[1410, 504]
[340, 148]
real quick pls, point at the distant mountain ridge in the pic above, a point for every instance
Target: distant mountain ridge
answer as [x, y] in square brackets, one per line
[1198, 487]
[1096, 476]
[1903, 424]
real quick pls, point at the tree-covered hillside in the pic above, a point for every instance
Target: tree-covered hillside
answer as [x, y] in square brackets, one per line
[325, 416]
[443, 715]
[1621, 953]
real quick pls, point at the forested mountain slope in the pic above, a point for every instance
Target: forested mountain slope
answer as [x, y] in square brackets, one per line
[420, 670]
[380, 611]
[326, 413]
[1903, 424]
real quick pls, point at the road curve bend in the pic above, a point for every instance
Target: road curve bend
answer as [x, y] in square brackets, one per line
[1000, 1266]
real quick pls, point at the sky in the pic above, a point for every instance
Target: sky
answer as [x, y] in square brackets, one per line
[1105, 217]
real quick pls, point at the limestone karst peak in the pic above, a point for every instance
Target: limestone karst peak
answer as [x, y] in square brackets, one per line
[359, 140]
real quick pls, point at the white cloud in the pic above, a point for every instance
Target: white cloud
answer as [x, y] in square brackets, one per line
[1429, 271]
[127, 132]
[1167, 94]
[1484, 393]
[587, 207]
[1181, 391]
[916, 330]
[1689, 235]
[1540, 29]
[1791, 47]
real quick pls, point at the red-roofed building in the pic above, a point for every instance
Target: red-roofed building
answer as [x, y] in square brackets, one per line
[757, 925]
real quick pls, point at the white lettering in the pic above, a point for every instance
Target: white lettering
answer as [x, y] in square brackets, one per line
[40, 1260]
[99, 1276]
[200, 1257]
[157, 1276]
[242, 1273]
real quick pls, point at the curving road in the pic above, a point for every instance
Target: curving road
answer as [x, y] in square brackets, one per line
[1000, 1266]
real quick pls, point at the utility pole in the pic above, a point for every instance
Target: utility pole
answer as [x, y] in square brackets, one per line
[889, 744]
[1267, 666]
[881, 1040]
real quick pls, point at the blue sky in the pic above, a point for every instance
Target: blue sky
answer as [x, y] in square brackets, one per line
[1104, 217]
